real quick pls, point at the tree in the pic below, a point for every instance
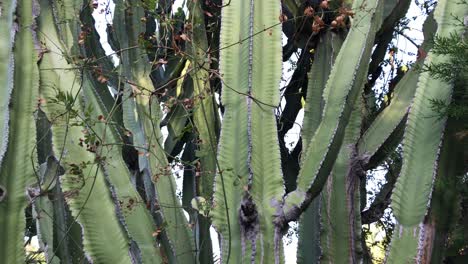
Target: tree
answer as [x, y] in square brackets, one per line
[92, 170]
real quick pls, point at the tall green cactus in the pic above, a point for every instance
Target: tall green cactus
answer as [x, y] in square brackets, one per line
[141, 117]
[325, 54]
[83, 182]
[422, 142]
[20, 73]
[249, 183]
[98, 175]
[343, 86]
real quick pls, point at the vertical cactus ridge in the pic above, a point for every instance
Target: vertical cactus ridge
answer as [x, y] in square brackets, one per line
[447, 197]
[233, 145]
[142, 116]
[267, 184]
[312, 222]
[385, 124]
[405, 240]
[130, 207]
[421, 147]
[16, 173]
[101, 67]
[310, 231]
[205, 118]
[205, 115]
[324, 56]
[7, 34]
[339, 238]
[65, 17]
[43, 209]
[83, 184]
[59, 236]
[344, 84]
[250, 178]
[424, 130]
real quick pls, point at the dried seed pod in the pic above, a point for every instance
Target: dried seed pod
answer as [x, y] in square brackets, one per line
[315, 27]
[309, 11]
[324, 4]
[340, 19]
[318, 20]
[283, 18]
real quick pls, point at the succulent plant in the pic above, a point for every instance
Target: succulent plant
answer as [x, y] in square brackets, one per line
[85, 164]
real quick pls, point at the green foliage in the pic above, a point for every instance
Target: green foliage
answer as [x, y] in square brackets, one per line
[456, 48]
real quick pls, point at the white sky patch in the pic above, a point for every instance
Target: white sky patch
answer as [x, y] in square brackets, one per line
[292, 136]
[180, 4]
[103, 16]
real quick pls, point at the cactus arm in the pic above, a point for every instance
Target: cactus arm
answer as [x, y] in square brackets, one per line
[7, 34]
[345, 82]
[101, 66]
[16, 173]
[248, 154]
[340, 229]
[389, 119]
[84, 187]
[65, 17]
[447, 195]
[43, 212]
[232, 149]
[43, 209]
[423, 133]
[421, 148]
[142, 116]
[310, 231]
[71, 247]
[205, 114]
[310, 225]
[265, 161]
[132, 210]
[388, 126]
[325, 54]
[205, 118]
[67, 232]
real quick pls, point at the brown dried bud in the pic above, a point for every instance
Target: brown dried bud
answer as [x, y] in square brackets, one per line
[188, 103]
[340, 19]
[324, 4]
[319, 21]
[283, 18]
[309, 11]
[188, 26]
[185, 37]
[315, 27]
[102, 79]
